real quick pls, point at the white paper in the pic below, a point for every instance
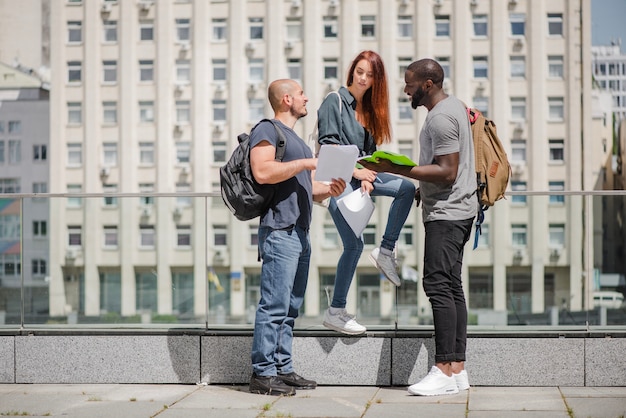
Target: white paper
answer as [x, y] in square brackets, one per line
[336, 162]
[357, 208]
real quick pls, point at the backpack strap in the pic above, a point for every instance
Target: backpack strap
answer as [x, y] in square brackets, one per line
[281, 144]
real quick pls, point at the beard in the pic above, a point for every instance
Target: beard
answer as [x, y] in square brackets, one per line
[417, 97]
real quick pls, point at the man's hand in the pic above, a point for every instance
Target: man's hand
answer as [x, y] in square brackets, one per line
[382, 166]
[337, 186]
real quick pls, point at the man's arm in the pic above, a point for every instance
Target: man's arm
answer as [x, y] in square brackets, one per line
[443, 170]
[267, 170]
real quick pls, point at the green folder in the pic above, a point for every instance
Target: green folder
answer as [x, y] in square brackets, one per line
[397, 159]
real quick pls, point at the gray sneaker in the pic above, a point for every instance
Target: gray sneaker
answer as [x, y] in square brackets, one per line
[342, 321]
[386, 264]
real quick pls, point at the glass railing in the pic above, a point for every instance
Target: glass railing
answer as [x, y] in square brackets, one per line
[146, 260]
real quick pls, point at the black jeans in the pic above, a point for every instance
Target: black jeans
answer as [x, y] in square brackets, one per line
[443, 259]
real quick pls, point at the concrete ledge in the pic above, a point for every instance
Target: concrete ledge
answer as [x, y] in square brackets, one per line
[381, 359]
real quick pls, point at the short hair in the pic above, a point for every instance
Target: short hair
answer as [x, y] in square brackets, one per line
[427, 69]
[277, 91]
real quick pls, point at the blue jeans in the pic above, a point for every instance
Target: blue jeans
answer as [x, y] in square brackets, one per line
[443, 260]
[284, 274]
[403, 192]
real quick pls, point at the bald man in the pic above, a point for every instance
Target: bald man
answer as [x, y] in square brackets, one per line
[284, 245]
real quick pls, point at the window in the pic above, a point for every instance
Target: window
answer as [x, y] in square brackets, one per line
[74, 32]
[480, 25]
[442, 26]
[405, 112]
[256, 108]
[39, 267]
[555, 24]
[445, 64]
[518, 108]
[556, 108]
[557, 150]
[183, 71]
[2, 152]
[253, 233]
[483, 238]
[1, 126]
[146, 153]
[182, 293]
[220, 32]
[109, 113]
[40, 229]
[405, 146]
[74, 72]
[109, 28]
[74, 202]
[183, 236]
[256, 28]
[110, 201]
[146, 236]
[183, 200]
[518, 67]
[256, 70]
[74, 113]
[74, 154]
[368, 26]
[40, 187]
[556, 235]
[146, 111]
[405, 27]
[220, 235]
[518, 150]
[331, 27]
[403, 64]
[518, 24]
[481, 103]
[183, 112]
[219, 151]
[40, 152]
[518, 235]
[219, 70]
[518, 186]
[481, 67]
[146, 299]
[9, 186]
[15, 127]
[555, 66]
[146, 70]
[330, 69]
[109, 154]
[109, 72]
[556, 186]
[183, 32]
[405, 240]
[146, 30]
[15, 151]
[110, 292]
[74, 235]
[219, 110]
[110, 236]
[183, 152]
[146, 188]
[294, 69]
[294, 29]
[369, 235]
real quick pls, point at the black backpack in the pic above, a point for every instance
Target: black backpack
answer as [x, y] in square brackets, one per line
[246, 198]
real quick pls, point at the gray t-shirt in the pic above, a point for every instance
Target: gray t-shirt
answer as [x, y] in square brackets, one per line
[447, 130]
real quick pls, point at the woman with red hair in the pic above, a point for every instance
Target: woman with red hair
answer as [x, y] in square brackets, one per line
[359, 114]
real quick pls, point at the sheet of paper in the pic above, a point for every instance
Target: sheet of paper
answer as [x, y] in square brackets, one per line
[357, 208]
[336, 162]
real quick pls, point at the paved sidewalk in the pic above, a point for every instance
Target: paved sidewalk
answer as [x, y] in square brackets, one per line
[168, 401]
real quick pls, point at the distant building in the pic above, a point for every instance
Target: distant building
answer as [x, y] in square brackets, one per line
[609, 74]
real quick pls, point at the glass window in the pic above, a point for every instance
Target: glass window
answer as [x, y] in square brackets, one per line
[480, 25]
[256, 70]
[183, 111]
[183, 236]
[110, 292]
[74, 202]
[445, 64]
[405, 27]
[518, 235]
[146, 111]
[518, 108]
[294, 69]
[74, 235]
[556, 236]
[331, 27]
[518, 67]
[183, 200]
[368, 26]
[442, 26]
[74, 32]
[518, 150]
[556, 108]
[40, 228]
[74, 154]
[518, 186]
[256, 107]
[403, 63]
[15, 127]
[183, 31]
[555, 24]
[110, 201]
[183, 152]
[557, 150]
[219, 70]
[146, 153]
[15, 151]
[405, 112]
[146, 236]
[555, 66]
[39, 267]
[182, 293]
[220, 235]
[220, 31]
[74, 113]
[146, 70]
[256, 28]
[109, 113]
[557, 186]
[518, 24]
[109, 72]
[219, 110]
[330, 69]
[109, 154]
[146, 188]
[481, 103]
[74, 71]
[109, 28]
[40, 187]
[294, 29]
[146, 299]
[483, 238]
[183, 71]
[40, 152]
[481, 67]
[219, 151]
[146, 30]
[110, 236]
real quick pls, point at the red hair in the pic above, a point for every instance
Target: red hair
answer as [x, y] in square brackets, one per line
[376, 99]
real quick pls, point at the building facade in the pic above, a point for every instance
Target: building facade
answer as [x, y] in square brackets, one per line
[149, 96]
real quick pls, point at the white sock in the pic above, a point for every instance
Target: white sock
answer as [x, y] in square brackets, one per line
[386, 251]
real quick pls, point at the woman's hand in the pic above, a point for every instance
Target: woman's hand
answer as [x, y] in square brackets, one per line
[364, 174]
[366, 187]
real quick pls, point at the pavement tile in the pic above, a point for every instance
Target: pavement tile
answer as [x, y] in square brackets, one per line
[515, 399]
[598, 407]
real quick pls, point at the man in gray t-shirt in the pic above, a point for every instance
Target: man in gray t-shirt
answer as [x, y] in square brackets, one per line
[447, 185]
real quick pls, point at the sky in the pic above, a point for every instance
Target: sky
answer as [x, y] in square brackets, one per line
[608, 21]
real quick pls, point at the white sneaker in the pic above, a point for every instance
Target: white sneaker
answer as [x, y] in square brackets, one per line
[462, 381]
[386, 264]
[435, 383]
[342, 321]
